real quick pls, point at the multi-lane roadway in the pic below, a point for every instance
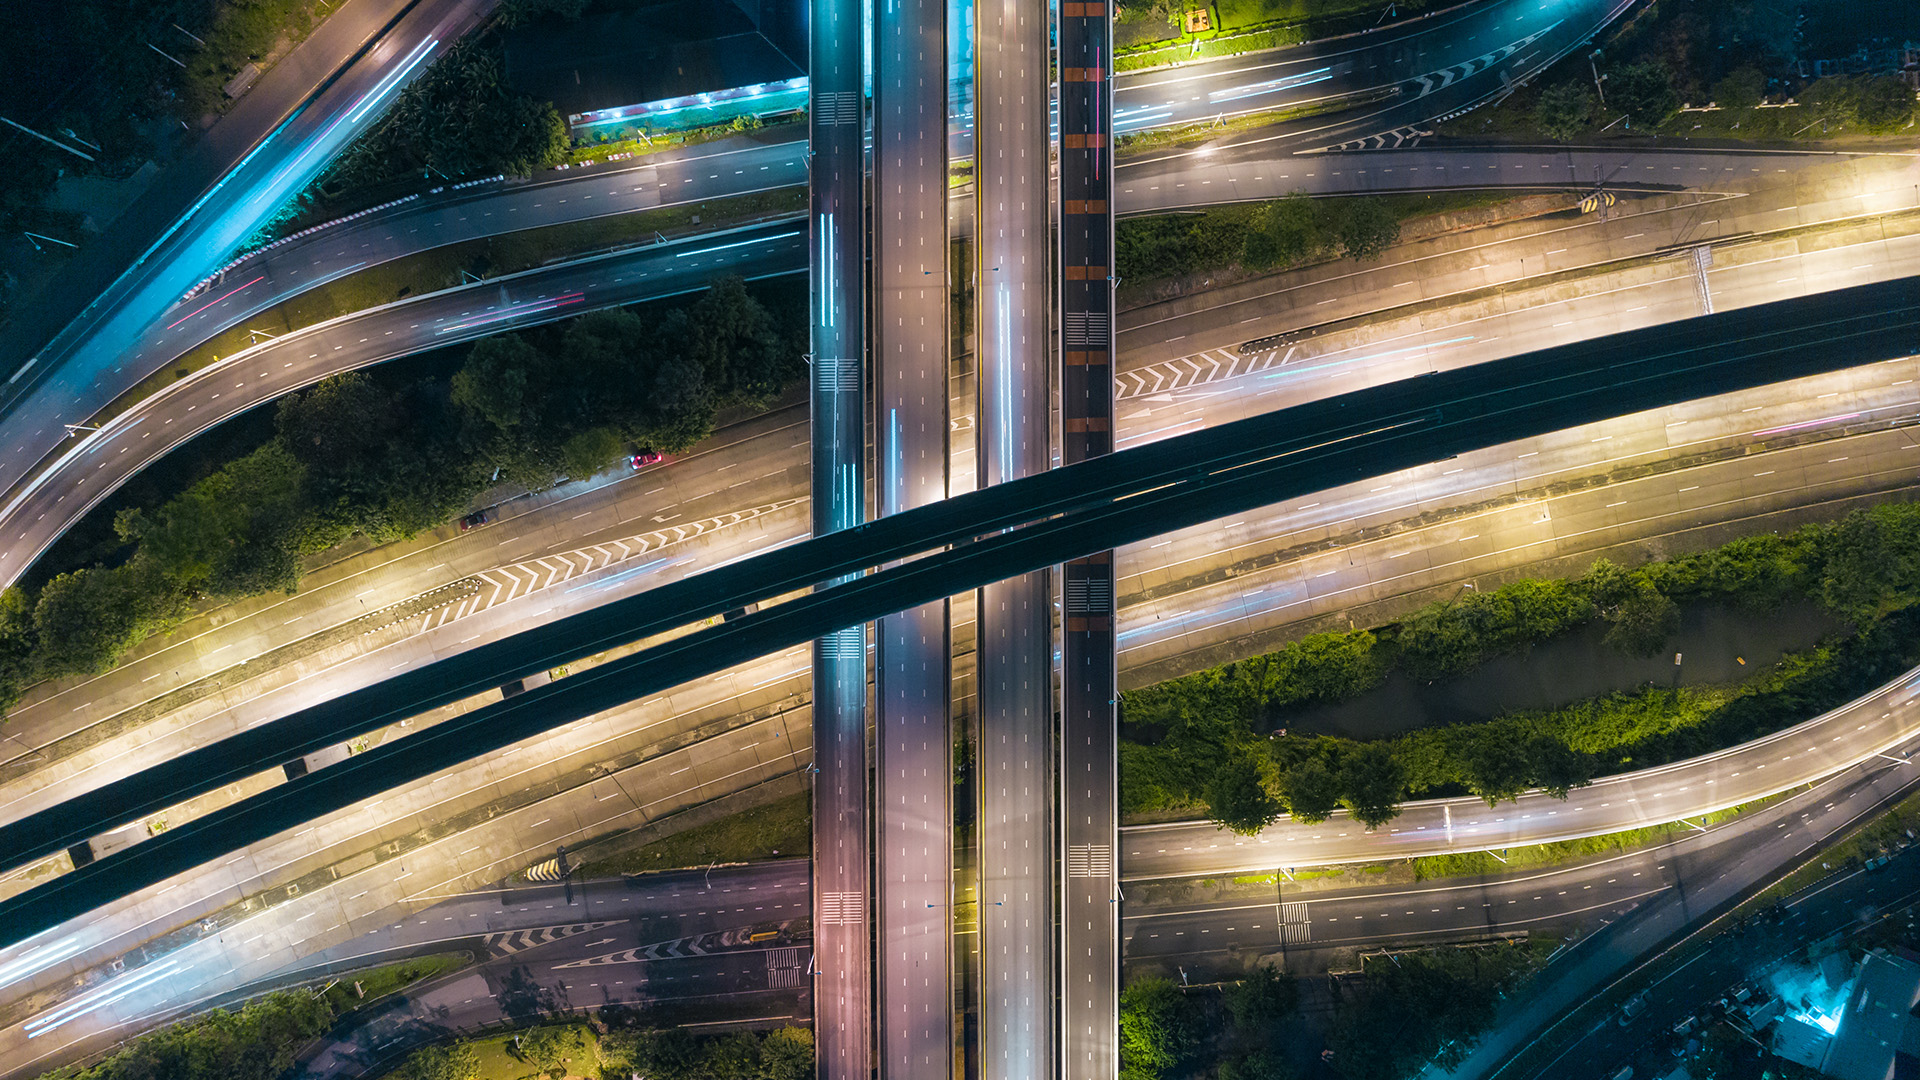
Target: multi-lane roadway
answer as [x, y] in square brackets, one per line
[842, 803]
[1565, 453]
[1013, 347]
[1550, 311]
[984, 173]
[914, 892]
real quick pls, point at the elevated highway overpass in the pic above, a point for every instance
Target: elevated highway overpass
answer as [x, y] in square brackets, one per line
[1130, 495]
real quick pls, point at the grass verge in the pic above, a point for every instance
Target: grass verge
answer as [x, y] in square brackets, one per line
[1242, 26]
[782, 828]
[1472, 863]
[1156, 250]
[376, 983]
[1464, 864]
[499, 1060]
[1162, 138]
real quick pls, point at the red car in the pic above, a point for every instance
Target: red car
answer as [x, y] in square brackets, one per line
[641, 461]
[476, 519]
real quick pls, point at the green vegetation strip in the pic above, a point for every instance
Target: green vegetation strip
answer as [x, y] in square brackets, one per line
[581, 1048]
[1214, 750]
[355, 989]
[781, 829]
[1265, 237]
[257, 1042]
[1152, 33]
[1412, 1008]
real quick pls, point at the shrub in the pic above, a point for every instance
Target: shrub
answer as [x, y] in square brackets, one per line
[1742, 88]
[1564, 111]
[1644, 91]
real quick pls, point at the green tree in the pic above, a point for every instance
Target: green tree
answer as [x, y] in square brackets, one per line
[1313, 790]
[1284, 232]
[737, 344]
[1324, 667]
[1557, 768]
[1365, 227]
[492, 384]
[17, 641]
[1870, 561]
[236, 533]
[257, 1042]
[1419, 1008]
[1496, 768]
[787, 1054]
[1372, 783]
[732, 1057]
[590, 451]
[512, 13]
[1643, 622]
[1158, 1025]
[1264, 997]
[85, 621]
[456, 1061]
[1564, 111]
[551, 1049]
[1644, 91]
[1741, 88]
[1238, 798]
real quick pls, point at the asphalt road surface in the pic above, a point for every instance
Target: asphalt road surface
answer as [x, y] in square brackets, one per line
[914, 895]
[1013, 298]
[1744, 284]
[842, 801]
[1089, 713]
[45, 505]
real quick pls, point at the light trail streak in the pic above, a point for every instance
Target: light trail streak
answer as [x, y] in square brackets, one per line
[525, 307]
[737, 243]
[98, 998]
[1285, 83]
[210, 303]
[36, 959]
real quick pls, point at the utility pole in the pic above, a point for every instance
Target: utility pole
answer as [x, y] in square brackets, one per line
[45, 138]
[1597, 77]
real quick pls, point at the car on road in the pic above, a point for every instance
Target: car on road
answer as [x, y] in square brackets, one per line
[642, 460]
[477, 519]
[1633, 1007]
